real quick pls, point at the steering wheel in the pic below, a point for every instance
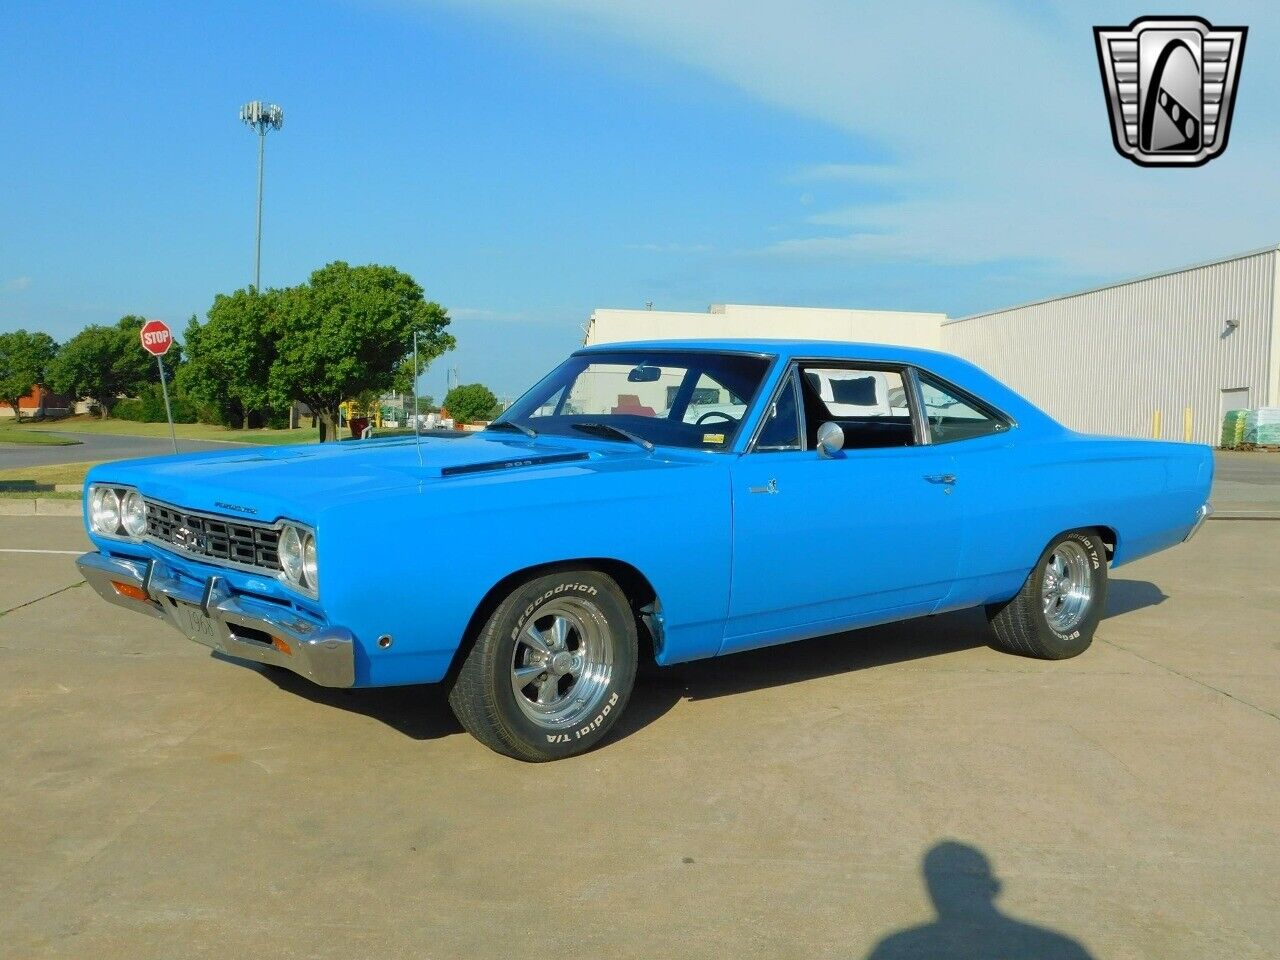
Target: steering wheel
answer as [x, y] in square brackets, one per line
[714, 413]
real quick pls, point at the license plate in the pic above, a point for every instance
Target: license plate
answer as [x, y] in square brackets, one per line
[197, 626]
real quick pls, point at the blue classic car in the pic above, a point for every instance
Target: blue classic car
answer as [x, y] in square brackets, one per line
[677, 500]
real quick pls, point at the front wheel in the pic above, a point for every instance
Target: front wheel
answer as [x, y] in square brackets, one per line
[1056, 612]
[551, 669]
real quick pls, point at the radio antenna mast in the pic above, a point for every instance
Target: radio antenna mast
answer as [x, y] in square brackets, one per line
[417, 437]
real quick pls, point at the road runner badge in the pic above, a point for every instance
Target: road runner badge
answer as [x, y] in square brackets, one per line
[1170, 84]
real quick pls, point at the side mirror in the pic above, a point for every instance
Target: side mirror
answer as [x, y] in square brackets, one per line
[830, 439]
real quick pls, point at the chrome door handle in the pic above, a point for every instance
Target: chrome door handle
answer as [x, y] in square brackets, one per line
[770, 487]
[940, 477]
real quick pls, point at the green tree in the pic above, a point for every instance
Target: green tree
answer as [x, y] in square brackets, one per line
[24, 362]
[469, 402]
[229, 356]
[104, 363]
[346, 331]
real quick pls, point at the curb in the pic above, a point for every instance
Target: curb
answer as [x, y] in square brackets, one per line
[1246, 515]
[39, 507]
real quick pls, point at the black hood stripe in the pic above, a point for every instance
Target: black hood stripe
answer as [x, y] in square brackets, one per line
[534, 461]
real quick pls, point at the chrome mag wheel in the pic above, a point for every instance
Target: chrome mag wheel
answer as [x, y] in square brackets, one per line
[562, 663]
[1067, 589]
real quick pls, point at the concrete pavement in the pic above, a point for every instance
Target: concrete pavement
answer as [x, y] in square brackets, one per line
[806, 801]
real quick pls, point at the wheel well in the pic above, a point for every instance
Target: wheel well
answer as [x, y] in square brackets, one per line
[634, 584]
[1109, 540]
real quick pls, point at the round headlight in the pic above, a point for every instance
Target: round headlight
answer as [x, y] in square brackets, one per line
[309, 565]
[104, 510]
[135, 514]
[291, 554]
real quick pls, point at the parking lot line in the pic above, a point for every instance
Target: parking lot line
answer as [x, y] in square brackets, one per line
[64, 553]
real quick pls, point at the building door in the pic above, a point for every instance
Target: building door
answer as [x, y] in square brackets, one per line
[1236, 398]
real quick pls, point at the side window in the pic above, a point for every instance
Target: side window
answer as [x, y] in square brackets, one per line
[869, 404]
[952, 417]
[781, 430]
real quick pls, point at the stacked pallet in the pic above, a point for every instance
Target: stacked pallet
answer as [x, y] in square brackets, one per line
[1262, 427]
[1233, 425]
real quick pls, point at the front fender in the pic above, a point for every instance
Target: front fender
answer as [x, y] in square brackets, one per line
[415, 566]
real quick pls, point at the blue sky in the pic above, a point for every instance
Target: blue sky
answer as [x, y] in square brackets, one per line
[529, 160]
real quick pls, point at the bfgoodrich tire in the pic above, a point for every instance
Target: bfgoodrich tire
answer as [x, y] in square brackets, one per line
[551, 669]
[1056, 612]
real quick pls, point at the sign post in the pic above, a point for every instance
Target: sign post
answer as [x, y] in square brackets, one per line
[156, 340]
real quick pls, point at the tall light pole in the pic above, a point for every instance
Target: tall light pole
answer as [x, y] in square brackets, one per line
[261, 117]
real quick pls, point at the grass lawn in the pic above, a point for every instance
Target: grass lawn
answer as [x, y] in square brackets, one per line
[27, 433]
[46, 475]
[185, 431]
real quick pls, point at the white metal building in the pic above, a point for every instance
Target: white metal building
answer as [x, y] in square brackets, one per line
[1164, 355]
[743, 320]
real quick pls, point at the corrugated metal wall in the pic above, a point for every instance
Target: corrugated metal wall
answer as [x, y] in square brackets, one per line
[1119, 359]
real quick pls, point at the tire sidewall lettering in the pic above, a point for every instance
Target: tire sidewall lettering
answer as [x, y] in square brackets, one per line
[532, 608]
[1096, 558]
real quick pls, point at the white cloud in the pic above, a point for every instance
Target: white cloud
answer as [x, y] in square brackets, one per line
[992, 113]
[17, 284]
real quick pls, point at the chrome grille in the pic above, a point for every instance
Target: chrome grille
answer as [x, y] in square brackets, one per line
[217, 538]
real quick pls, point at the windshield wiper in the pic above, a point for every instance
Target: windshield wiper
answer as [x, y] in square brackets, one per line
[609, 428]
[513, 425]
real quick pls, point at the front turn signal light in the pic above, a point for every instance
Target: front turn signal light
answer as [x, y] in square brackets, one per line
[282, 646]
[130, 590]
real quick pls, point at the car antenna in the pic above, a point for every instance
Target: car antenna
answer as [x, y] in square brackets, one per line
[417, 438]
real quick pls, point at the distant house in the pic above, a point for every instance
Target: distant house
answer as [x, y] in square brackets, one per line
[40, 402]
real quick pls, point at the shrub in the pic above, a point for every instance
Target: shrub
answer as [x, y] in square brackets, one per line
[149, 407]
[130, 409]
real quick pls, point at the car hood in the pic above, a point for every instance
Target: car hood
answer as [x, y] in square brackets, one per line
[297, 481]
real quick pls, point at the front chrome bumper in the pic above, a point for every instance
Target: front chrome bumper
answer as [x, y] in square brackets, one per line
[1203, 514]
[240, 626]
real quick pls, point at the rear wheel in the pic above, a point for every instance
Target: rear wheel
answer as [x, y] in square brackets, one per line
[551, 669]
[1056, 612]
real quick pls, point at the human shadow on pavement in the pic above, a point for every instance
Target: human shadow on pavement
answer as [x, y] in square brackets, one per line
[968, 924]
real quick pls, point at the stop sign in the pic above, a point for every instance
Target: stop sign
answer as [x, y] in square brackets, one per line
[156, 337]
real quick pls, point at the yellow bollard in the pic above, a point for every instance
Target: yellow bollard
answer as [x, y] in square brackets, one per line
[1186, 424]
[1155, 425]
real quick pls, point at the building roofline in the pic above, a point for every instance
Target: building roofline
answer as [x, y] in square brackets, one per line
[718, 309]
[1119, 283]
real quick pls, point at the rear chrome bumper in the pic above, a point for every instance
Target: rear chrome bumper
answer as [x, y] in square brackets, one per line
[240, 626]
[1203, 514]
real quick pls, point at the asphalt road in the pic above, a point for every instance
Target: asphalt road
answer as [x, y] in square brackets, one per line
[898, 792]
[97, 447]
[1246, 481]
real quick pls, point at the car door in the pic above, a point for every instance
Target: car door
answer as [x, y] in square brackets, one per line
[823, 543]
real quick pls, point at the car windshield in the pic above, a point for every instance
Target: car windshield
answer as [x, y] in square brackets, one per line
[678, 398]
